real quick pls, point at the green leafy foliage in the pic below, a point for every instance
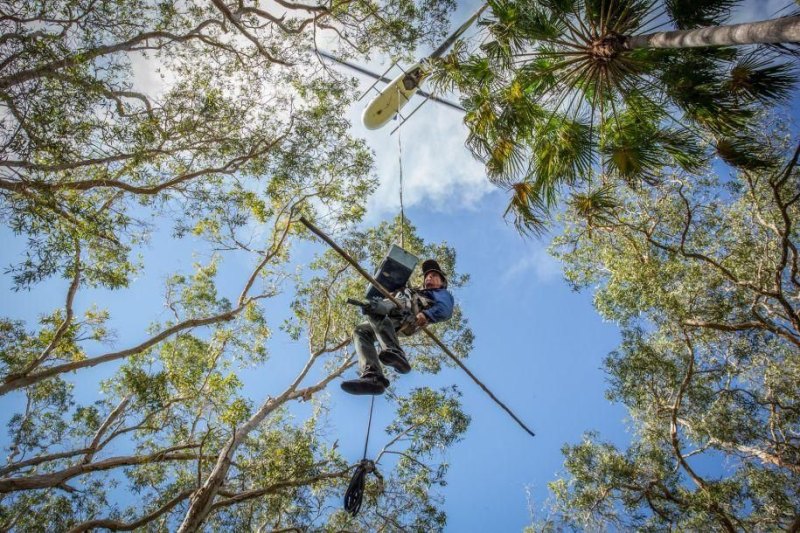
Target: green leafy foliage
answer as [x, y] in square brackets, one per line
[559, 87]
[701, 275]
[216, 123]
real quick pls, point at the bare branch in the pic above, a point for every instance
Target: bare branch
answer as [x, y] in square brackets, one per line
[57, 479]
[94, 446]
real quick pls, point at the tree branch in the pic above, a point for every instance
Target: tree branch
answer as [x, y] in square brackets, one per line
[116, 525]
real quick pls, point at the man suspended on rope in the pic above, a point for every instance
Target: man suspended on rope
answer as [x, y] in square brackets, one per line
[433, 303]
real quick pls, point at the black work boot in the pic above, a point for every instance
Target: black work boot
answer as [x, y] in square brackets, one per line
[396, 360]
[366, 384]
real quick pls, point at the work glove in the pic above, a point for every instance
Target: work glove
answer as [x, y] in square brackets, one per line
[376, 307]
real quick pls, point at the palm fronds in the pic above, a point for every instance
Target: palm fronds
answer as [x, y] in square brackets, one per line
[596, 206]
[555, 85]
[742, 152]
[687, 14]
[529, 211]
[760, 79]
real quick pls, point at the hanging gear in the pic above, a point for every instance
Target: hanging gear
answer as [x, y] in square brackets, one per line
[355, 491]
[319, 233]
[413, 302]
[393, 272]
[375, 307]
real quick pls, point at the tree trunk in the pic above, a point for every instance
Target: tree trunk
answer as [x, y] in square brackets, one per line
[782, 30]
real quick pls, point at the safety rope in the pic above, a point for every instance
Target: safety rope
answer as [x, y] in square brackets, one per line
[369, 426]
[400, 165]
[355, 490]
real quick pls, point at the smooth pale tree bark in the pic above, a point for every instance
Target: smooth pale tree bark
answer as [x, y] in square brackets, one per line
[555, 89]
[765, 456]
[782, 30]
[59, 478]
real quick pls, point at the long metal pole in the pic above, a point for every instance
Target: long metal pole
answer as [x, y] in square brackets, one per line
[456, 34]
[319, 233]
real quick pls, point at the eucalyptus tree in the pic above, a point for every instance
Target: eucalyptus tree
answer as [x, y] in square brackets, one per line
[175, 428]
[213, 121]
[701, 274]
[316, 164]
[212, 115]
[558, 86]
[109, 105]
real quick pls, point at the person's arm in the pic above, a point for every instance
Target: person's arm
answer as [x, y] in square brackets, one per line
[442, 308]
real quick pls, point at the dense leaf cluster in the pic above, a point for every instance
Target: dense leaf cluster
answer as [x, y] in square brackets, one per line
[701, 274]
[572, 94]
[215, 122]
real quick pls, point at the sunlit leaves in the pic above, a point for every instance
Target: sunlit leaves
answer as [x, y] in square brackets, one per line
[595, 206]
[562, 152]
[573, 61]
[702, 372]
[527, 208]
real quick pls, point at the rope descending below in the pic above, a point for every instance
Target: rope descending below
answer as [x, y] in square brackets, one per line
[355, 491]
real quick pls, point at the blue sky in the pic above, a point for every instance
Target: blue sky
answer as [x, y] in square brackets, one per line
[539, 346]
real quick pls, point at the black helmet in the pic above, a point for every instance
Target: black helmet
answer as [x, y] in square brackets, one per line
[430, 265]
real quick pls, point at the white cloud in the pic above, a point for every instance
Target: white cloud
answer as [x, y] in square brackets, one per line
[149, 75]
[438, 170]
[538, 263]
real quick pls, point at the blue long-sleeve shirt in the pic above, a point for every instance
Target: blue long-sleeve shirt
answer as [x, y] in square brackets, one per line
[442, 308]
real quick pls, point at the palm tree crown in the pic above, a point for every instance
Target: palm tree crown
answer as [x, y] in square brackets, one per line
[557, 87]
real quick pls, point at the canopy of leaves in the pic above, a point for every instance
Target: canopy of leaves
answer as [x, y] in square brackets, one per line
[702, 277]
[215, 123]
[555, 89]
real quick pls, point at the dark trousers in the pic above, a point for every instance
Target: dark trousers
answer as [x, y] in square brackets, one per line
[382, 329]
